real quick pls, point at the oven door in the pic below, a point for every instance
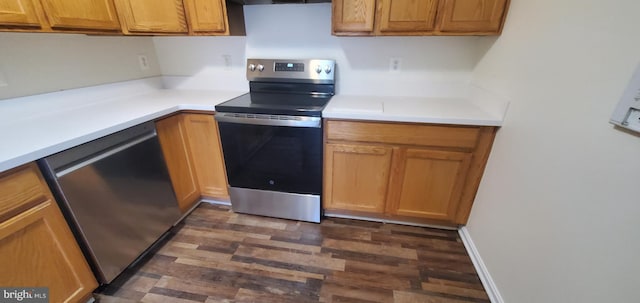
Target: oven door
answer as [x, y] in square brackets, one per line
[272, 153]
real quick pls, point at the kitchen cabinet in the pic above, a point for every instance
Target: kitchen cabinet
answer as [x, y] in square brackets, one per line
[59, 16]
[353, 16]
[406, 16]
[152, 16]
[356, 176]
[429, 183]
[89, 15]
[36, 243]
[207, 16]
[172, 133]
[424, 17]
[178, 17]
[472, 16]
[192, 150]
[20, 13]
[206, 151]
[424, 173]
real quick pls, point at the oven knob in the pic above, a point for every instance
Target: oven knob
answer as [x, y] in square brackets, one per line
[318, 69]
[252, 67]
[327, 69]
[260, 67]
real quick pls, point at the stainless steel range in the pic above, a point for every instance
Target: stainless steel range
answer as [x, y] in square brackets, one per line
[272, 138]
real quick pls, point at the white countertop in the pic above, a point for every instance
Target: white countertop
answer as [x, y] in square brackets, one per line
[37, 126]
[478, 108]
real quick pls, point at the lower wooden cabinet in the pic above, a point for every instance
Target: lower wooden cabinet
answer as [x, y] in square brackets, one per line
[405, 171]
[356, 176]
[429, 183]
[206, 151]
[192, 150]
[36, 244]
[172, 133]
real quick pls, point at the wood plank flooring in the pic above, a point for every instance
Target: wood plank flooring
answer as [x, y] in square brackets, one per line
[216, 255]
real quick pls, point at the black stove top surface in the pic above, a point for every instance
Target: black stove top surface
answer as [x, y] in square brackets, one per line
[294, 104]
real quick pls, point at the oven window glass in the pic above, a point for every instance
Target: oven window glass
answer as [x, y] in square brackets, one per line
[277, 158]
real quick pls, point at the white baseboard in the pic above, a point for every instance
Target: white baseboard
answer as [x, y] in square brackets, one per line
[489, 286]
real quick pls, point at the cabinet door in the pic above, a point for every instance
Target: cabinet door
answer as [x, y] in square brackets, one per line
[206, 150]
[353, 15]
[407, 16]
[430, 184]
[18, 13]
[356, 177]
[175, 147]
[152, 16]
[472, 15]
[36, 245]
[82, 14]
[206, 16]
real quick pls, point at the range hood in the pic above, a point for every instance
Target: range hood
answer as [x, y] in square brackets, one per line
[235, 12]
[251, 2]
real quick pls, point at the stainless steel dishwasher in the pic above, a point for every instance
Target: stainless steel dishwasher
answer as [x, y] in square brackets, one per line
[116, 194]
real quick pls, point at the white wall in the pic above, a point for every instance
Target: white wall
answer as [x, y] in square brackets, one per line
[430, 66]
[557, 215]
[33, 63]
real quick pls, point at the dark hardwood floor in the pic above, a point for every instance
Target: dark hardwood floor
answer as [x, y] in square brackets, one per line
[216, 255]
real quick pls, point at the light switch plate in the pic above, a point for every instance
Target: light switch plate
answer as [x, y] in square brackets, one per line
[628, 110]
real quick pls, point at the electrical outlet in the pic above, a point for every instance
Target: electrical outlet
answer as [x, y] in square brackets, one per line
[395, 64]
[144, 62]
[227, 62]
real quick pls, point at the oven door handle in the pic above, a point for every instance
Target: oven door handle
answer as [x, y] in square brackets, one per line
[270, 120]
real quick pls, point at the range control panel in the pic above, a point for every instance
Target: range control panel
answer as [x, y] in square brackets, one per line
[292, 70]
[627, 113]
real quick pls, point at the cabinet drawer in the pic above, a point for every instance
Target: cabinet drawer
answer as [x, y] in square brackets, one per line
[403, 133]
[20, 189]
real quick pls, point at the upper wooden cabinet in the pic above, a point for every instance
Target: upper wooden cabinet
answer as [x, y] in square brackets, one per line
[206, 16]
[407, 16]
[89, 16]
[353, 15]
[36, 244]
[421, 173]
[418, 17]
[152, 16]
[483, 16]
[19, 13]
[86, 14]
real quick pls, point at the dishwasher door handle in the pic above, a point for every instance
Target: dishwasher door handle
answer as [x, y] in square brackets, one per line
[106, 153]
